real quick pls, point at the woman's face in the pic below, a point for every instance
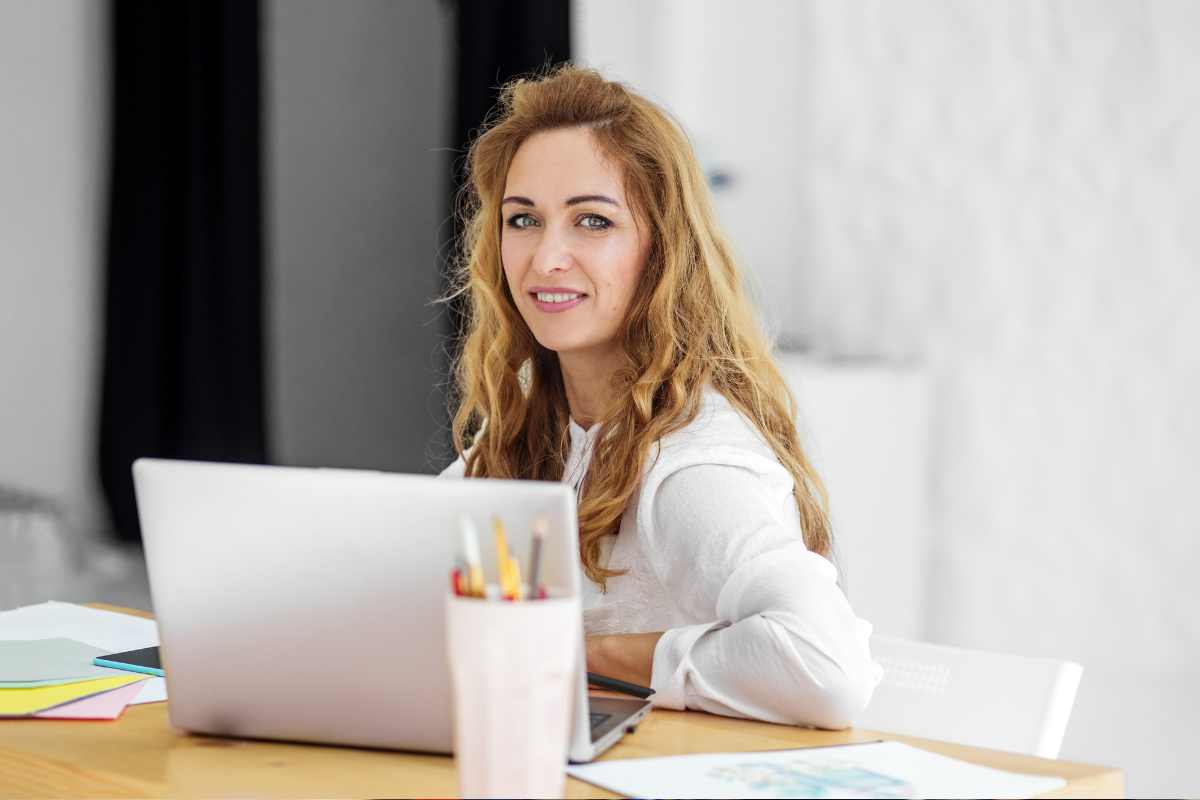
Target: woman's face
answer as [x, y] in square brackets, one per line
[571, 250]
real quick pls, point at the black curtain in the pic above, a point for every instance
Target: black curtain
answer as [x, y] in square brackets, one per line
[183, 349]
[496, 42]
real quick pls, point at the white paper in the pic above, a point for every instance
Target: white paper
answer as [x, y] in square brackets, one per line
[153, 691]
[876, 769]
[112, 632]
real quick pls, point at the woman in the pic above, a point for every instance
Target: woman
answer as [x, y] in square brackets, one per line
[610, 344]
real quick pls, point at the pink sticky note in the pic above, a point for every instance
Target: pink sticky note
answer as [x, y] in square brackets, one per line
[106, 705]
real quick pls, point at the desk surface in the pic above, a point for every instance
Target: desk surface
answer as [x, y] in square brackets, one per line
[140, 755]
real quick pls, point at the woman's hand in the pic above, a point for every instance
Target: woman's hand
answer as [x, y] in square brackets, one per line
[625, 656]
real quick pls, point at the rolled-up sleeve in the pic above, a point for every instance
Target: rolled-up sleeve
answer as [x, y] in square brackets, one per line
[783, 644]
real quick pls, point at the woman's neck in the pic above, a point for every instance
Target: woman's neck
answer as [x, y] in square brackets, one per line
[587, 378]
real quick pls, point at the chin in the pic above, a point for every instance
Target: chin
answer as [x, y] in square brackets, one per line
[563, 343]
[559, 345]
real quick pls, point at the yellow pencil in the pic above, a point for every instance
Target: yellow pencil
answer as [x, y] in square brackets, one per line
[515, 574]
[502, 559]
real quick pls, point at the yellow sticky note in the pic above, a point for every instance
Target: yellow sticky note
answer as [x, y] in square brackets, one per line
[23, 702]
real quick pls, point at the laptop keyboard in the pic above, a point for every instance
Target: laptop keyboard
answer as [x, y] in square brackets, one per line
[598, 719]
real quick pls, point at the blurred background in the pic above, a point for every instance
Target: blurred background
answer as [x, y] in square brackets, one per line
[970, 225]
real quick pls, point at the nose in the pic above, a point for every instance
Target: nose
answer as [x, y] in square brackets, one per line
[553, 254]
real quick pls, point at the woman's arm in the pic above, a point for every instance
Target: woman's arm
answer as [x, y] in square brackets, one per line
[783, 644]
[627, 657]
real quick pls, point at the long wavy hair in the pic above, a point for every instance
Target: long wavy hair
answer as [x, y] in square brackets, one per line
[690, 323]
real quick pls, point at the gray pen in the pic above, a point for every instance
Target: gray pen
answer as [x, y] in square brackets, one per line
[535, 558]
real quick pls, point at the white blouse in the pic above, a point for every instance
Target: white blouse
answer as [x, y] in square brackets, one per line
[755, 624]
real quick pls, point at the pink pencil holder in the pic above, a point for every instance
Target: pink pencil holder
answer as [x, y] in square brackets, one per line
[512, 665]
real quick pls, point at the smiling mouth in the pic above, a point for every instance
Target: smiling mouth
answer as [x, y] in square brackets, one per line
[557, 297]
[557, 301]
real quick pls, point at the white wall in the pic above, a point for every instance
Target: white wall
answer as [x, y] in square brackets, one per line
[1005, 192]
[729, 71]
[53, 147]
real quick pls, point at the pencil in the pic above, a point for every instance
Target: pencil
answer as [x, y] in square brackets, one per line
[502, 558]
[535, 557]
[514, 567]
[473, 575]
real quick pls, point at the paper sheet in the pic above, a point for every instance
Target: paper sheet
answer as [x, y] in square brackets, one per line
[55, 682]
[23, 702]
[41, 660]
[110, 631]
[106, 705]
[876, 769]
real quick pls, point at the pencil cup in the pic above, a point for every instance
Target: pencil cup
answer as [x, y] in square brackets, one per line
[512, 664]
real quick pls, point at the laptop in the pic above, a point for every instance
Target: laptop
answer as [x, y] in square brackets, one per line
[308, 604]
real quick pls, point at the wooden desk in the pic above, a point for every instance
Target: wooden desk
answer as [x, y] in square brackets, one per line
[140, 755]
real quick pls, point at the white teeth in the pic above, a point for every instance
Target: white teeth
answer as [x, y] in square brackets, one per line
[550, 297]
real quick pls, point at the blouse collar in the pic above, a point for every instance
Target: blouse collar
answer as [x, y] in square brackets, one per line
[581, 435]
[580, 456]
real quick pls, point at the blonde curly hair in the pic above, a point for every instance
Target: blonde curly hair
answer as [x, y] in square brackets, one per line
[690, 324]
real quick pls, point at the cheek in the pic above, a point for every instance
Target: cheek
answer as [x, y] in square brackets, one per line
[627, 270]
[513, 262]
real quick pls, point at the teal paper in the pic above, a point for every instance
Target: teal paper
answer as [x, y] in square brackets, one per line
[60, 660]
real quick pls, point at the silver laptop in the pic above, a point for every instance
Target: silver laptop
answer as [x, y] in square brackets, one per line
[308, 604]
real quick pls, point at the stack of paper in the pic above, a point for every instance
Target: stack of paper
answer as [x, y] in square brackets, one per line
[101, 632]
[53, 675]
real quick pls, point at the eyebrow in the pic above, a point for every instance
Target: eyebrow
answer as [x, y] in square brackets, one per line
[571, 201]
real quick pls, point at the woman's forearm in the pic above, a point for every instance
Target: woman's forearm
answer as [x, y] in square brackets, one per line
[627, 656]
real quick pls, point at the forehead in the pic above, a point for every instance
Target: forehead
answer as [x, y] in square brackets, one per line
[551, 166]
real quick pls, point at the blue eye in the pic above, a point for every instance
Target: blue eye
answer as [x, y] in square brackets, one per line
[602, 223]
[518, 221]
[591, 222]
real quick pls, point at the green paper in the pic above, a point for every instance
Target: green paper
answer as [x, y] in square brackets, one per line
[58, 659]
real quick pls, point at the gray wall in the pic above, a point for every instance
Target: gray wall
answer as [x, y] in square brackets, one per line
[357, 109]
[356, 97]
[53, 140]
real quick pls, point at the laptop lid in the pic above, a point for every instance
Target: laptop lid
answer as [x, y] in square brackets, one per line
[307, 604]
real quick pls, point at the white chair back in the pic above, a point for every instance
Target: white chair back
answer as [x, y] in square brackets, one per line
[972, 697]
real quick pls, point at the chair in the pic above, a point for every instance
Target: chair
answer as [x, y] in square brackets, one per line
[992, 700]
